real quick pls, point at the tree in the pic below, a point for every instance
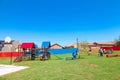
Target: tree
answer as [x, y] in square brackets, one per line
[84, 46]
[117, 41]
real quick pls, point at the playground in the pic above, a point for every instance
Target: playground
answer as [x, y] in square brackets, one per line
[86, 68]
[45, 63]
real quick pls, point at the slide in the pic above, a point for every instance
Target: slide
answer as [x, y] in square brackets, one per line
[57, 57]
[19, 57]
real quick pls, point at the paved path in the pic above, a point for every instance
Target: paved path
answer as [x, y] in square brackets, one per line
[6, 69]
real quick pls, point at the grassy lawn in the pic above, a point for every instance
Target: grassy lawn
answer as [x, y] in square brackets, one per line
[87, 68]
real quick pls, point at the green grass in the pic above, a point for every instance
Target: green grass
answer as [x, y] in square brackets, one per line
[87, 68]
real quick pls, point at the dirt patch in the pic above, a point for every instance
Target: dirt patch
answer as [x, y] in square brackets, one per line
[90, 76]
[93, 65]
[118, 78]
[89, 64]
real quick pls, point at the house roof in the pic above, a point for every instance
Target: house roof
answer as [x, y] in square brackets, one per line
[101, 43]
[106, 43]
[56, 46]
[3, 42]
[27, 45]
[46, 44]
[69, 45]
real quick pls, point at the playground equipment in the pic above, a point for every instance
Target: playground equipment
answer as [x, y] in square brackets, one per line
[44, 52]
[59, 58]
[112, 55]
[28, 51]
[72, 51]
[19, 58]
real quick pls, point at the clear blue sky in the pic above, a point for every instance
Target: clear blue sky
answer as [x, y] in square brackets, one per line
[60, 21]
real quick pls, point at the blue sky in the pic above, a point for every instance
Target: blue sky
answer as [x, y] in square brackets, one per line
[60, 21]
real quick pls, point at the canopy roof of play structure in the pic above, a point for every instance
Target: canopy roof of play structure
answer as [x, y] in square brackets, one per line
[28, 45]
[46, 44]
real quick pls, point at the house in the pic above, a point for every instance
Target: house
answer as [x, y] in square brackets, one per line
[9, 47]
[70, 46]
[56, 46]
[1, 44]
[101, 44]
[95, 46]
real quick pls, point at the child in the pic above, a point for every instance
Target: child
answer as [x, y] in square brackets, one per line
[101, 52]
[89, 52]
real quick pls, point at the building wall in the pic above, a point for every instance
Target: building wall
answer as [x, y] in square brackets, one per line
[7, 48]
[11, 47]
[95, 49]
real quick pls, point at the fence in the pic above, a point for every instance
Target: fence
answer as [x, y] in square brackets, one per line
[115, 48]
[9, 54]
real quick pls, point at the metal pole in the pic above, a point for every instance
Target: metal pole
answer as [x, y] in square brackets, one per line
[11, 57]
[78, 48]
[77, 42]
